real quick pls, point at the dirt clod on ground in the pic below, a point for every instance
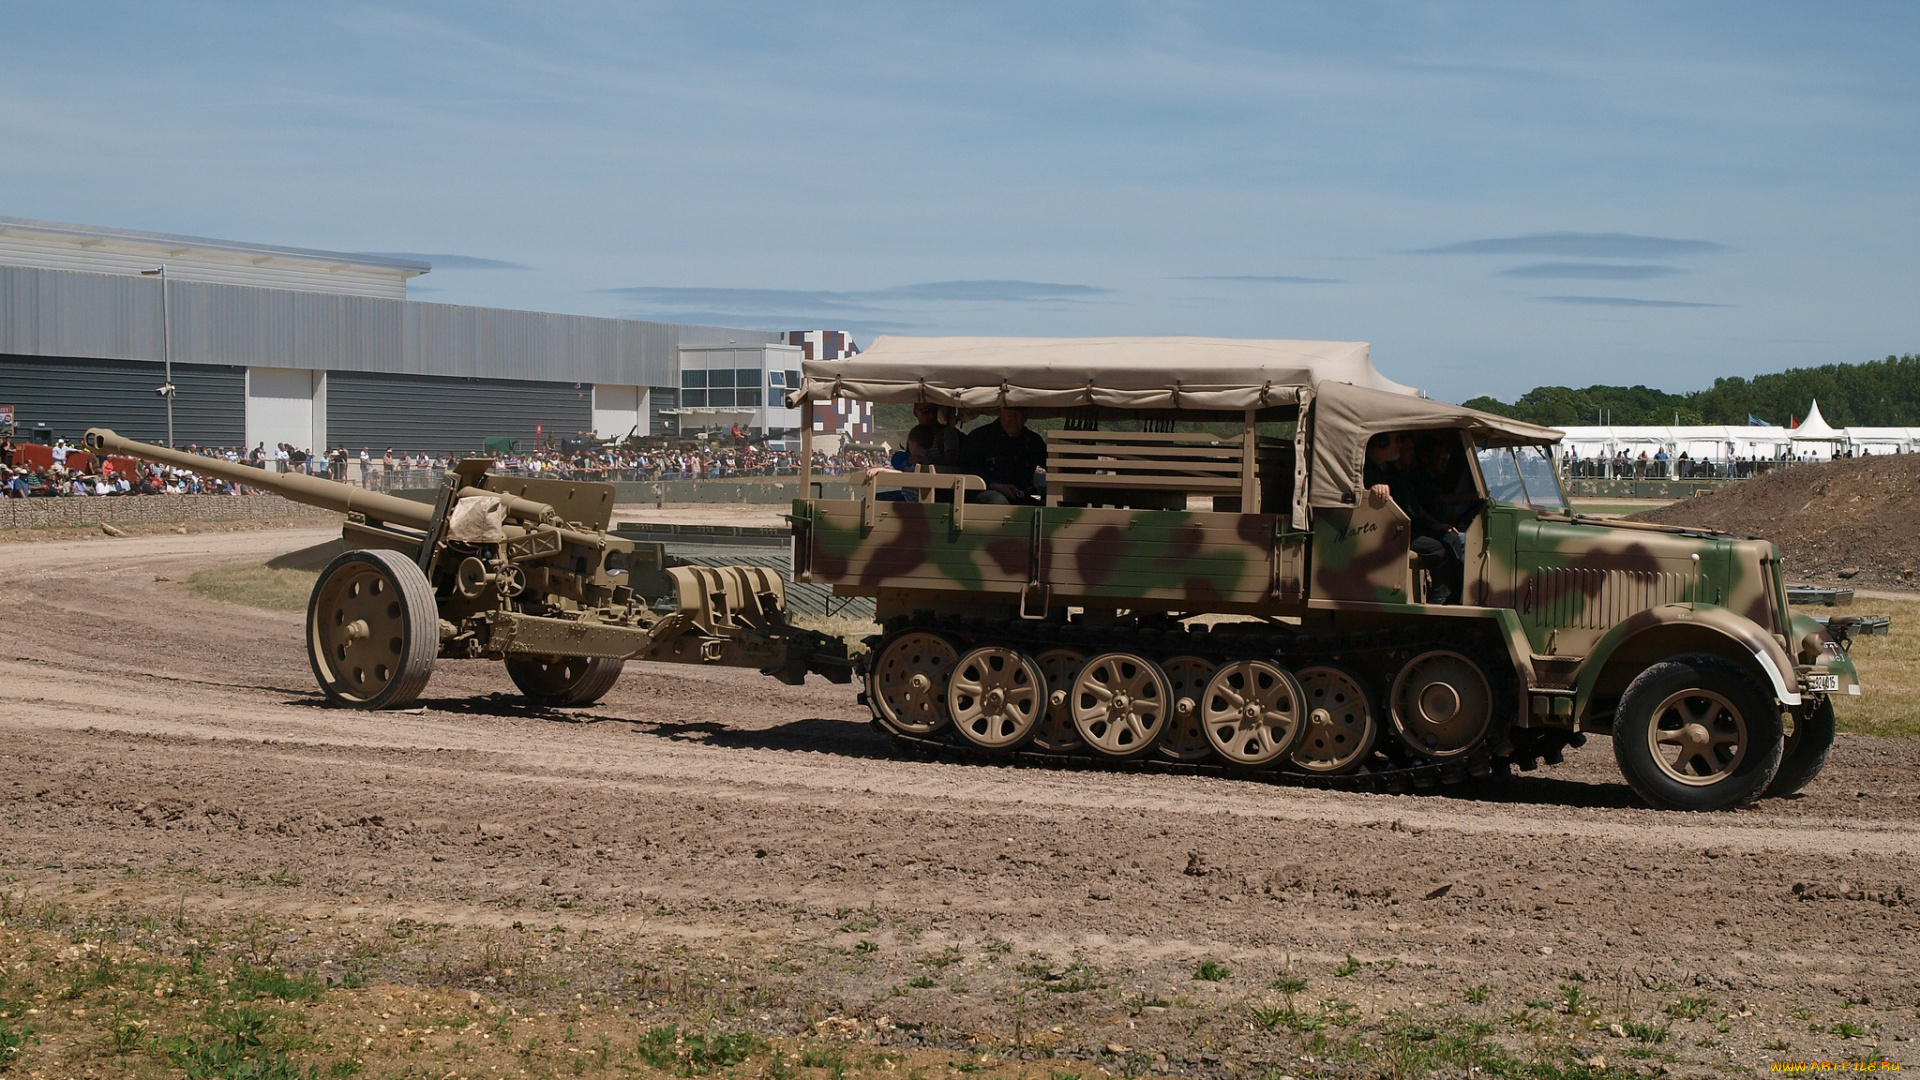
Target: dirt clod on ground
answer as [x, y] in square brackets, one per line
[1854, 522]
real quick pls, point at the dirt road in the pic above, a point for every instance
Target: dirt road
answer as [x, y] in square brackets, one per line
[714, 821]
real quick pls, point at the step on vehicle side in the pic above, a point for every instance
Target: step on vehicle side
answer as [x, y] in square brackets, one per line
[1298, 623]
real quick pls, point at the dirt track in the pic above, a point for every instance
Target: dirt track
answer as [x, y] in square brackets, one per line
[176, 746]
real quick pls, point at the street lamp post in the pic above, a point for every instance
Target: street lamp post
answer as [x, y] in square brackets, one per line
[166, 344]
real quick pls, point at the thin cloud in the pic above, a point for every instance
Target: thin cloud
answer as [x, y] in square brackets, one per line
[1007, 292]
[1018, 292]
[1581, 245]
[1626, 301]
[1592, 271]
[450, 262]
[1265, 279]
[735, 300]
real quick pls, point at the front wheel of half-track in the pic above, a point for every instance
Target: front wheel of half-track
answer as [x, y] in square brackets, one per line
[1697, 733]
[907, 682]
[564, 681]
[1806, 749]
[373, 630]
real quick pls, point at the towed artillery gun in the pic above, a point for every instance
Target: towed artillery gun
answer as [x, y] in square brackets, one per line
[1288, 626]
[515, 569]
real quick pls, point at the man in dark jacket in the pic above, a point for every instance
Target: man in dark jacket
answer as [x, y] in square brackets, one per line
[1006, 455]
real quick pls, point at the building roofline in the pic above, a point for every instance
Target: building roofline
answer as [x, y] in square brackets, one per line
[407, 267]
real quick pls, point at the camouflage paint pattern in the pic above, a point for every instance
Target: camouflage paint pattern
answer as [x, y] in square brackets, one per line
[1565, 593]
[1173, 559]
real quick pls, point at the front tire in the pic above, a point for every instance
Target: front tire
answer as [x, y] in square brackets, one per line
[1806, 750]
[1697, 733]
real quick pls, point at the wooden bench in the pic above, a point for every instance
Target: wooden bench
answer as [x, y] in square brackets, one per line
[1120, 468]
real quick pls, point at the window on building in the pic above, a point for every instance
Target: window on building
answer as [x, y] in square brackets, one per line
[747, 398]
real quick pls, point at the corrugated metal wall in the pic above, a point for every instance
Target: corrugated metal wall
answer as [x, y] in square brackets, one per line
[437, 415]
[262, 269]
[71, 396]
[72, 314]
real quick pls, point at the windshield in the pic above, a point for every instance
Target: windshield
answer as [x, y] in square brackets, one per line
[1521, 476]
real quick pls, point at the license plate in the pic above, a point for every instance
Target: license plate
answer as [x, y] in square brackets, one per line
[1829, 684]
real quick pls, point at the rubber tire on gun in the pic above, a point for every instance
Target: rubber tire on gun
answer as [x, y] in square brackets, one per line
[564, 681]
[1701, 704]
[373, 630]
[1806, 750]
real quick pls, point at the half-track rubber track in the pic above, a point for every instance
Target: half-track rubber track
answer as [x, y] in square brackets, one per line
[1392, 768]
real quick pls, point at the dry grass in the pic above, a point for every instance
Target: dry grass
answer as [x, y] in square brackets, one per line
[255, 585]
[1889, 701]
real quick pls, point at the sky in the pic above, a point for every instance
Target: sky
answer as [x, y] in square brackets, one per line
[1494, 195]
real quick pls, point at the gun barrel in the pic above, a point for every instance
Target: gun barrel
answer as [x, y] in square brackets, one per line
[307, 490]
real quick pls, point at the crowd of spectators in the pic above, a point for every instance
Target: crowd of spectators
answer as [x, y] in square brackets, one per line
[64, 470]
[28, 471]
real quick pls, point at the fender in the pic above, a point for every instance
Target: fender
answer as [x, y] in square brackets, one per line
[1694, 628]
[1833, 660]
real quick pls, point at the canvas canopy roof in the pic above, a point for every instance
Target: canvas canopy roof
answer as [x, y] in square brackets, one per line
[1345, 417]
[1116, 372]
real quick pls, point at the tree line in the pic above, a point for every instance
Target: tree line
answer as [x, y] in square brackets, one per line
[1885, 393]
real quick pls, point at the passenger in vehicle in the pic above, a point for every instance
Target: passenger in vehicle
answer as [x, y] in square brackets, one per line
[934, 440]
[1392, 474]
[1008, 456]
[1445, 502]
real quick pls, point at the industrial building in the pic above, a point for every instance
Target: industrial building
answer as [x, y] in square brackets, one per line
[260, 344]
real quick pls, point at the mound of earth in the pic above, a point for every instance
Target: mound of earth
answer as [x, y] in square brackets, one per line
[1854, 522]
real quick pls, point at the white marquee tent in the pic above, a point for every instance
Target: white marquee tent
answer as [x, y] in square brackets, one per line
[1722, 445]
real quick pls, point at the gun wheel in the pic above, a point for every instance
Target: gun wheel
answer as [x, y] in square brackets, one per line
[1186, 738]
[1121, 705]
[564, 680]
[1251, 712]
[908, 683]
[373, 630]
[996, 696]
[1442, 705]
[1341, 724]
[1055, 732]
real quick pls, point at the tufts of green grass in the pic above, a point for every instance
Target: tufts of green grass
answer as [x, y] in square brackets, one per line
[1212, 971]
[1689, 1008]
[254, 585]
[686, 1053]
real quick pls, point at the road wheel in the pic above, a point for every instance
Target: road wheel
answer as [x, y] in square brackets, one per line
[1697, 733]
[1186, 738]
[1252, 712]
[907, 683]
[1121, 705]
[564, 681]
[1806, 749]
[373, 630]
[996, 696]
[1442, 704]
[1342, 724]
[1055, 732]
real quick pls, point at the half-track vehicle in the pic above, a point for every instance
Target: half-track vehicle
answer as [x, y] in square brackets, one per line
[1211, 580]
[519, 570]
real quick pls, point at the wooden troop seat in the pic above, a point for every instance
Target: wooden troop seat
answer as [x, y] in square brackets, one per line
[1147, 469]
